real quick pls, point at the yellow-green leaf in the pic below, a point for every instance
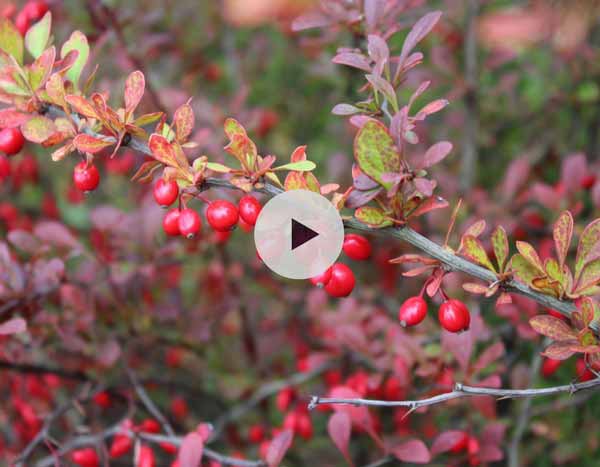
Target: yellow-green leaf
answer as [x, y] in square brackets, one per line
[78, 42]
[500, 244]
[300, 166]
[529, 253]
[10, 40]
[372, 216]
[375, 152]
[216, 167]
[38, 129]
[474, 250]
[38, 35]
[588, 248]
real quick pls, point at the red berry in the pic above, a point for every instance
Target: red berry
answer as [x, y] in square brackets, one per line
[22, 22]
[11, 141]
[583, 372]
[588, 181]
[256, 434]
[86, 457]
[222, 215]
[322, 279]
[284, 399]
[171, 223]
[304, 426]
[341, 282]
[86, 177]
[120, 446]
[357, 247]
[412, 311]
[222, 237]
[249, 208]
[145, 457]
[149, 425]
[473, 446]
[549, 367]
[179, 408]
[35, 10]
[102, 399]
[454, 316]
[168, 448]
[462, 444]
[165, 192]
[5, 169]
[189, 223]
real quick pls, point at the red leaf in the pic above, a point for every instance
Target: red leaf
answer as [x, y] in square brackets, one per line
[490, 453]
[430, 204]
[13, 326]
[559, 350]
[82, 106]
[134, 91]
[190, 453]
[431, 108]
[413, 451]
[353, 59]
[460, 345]
[11, 118]
[552, 327]
[278, 447]
[436, 153]
[339, 428]
[446, 441]
[374, 11]
[489, 355]
[418, 32]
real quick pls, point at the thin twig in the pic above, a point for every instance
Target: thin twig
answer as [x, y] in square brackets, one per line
[460, 390]
[143, 395]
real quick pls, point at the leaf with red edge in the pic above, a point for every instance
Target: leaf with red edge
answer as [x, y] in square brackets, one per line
[77, 42]
[372, 216]
[190, 452]
[588, 279]
[418, 32]
[430, 204]
[278, 447]
[559, 350]
[13, 326]
[162, 150]
[184, 122]
[339, 428]
[523, 269]
[446, 441]
[475, 229]
[299, 154]
[588, 248]
[474, 250]
[375, 151]
[528, 253]
[90, 144]
[146, 171]
[82, 106]
[587, 311]
[488, 356]
[435, 154]
[11, 118]
[240, 145]
[563, 233]
[40, 70]
[135, 86]
[38, 129]
[501, 248]
[552, 327]
[413, 450]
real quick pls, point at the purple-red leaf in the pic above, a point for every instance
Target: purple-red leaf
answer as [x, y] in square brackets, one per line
[353, 59]
[190, 452]
[436, 153]
[413, 451]
[418, 32]
[446, 441]
[339, 428]
[13, 326]
[278, 447]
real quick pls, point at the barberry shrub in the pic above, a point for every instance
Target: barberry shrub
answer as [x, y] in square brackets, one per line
[139, 325]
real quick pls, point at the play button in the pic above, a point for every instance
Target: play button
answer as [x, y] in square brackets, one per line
[299, 234]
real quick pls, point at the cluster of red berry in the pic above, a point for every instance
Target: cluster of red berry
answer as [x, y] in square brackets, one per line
[453, 314]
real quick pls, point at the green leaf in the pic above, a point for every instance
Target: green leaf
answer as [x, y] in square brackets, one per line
[473, 249]
[587, 311]
[590, 275]
[588, 248]
[10, 40]
[373, 217]
[216, 167]
[555, 273]
[500, 244]
[78, 42]
[563, 233]
[375, 152]
[38, 129]
[38, 35]
[529, 253]
[300, 166]
[147, 119]
[522, 269]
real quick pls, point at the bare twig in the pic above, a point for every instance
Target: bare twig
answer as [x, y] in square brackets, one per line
[460, 390]
[143, 395]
